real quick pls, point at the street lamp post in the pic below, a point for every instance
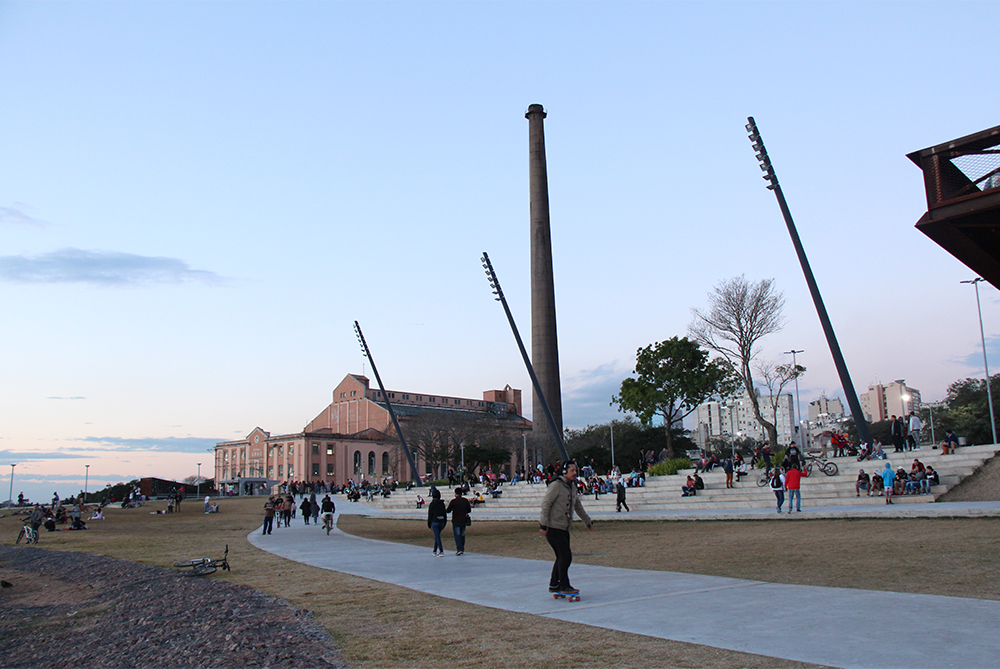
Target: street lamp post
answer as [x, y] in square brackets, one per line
[798, 403]
[199, 479]
[986, 364]
[10, 497]
[86, 483]
[930, 410]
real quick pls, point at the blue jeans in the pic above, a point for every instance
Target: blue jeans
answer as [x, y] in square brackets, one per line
[438, 546]
[792, 496]
[780, 496]
[459, 531]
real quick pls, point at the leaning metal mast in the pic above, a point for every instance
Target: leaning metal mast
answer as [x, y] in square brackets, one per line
[498, 291]
[824, 318]
[388, 404]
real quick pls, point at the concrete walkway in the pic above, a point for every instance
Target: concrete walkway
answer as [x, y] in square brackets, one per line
[837, 627]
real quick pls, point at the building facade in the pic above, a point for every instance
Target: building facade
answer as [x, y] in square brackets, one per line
[733, 417]
[895, 399]
[353, 437]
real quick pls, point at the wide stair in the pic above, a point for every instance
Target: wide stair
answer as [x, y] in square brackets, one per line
[663, 493]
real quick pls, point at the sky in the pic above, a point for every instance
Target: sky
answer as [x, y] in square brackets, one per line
[197, 201]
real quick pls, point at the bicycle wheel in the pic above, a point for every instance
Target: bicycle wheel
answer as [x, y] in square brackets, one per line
[192, 563]
[201, 570]
[20, 536]
[762, 480]
[33, 537]
[830, 469]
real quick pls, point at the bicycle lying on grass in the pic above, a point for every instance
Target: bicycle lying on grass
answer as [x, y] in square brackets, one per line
[204, 566]
[29, 534]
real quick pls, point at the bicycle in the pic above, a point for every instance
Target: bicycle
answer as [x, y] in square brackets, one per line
[826, 466]
[204, 566]
[328, 522]
[28, 533]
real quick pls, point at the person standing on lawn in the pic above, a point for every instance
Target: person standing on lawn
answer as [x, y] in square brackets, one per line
[560, 501]
[268, 516]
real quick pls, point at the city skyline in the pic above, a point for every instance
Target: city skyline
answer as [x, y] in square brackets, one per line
[199, 199]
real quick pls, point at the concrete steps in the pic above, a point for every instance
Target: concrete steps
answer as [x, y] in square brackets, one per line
[663, 493]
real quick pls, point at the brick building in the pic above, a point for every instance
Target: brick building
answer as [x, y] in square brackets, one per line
[353, 436]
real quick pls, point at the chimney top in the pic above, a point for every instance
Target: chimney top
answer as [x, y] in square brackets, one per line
[535, 109]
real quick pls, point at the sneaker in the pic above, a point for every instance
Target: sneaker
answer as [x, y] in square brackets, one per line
[441, 554]
[459, 552]
[551, 589]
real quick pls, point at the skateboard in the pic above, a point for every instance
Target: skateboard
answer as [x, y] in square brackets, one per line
[572, 597]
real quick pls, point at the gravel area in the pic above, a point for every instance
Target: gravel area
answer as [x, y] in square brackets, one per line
[68, 610]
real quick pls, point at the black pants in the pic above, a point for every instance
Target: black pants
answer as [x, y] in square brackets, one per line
[559, 540]
[622, 503]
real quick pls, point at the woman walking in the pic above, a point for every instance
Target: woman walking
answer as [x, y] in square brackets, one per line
[459, 508]
[437, 518]
[777, 481]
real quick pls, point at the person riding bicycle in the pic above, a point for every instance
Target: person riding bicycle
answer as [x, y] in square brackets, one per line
[327, 508]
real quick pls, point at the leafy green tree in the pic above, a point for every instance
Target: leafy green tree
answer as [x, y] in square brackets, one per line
[672, 378]
[967, 410]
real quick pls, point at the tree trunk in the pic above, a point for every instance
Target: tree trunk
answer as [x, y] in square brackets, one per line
[772, 430]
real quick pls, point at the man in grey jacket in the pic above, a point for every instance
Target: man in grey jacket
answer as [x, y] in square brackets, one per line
[561, 500]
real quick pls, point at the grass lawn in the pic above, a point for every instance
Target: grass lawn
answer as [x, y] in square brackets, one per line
[380, 625]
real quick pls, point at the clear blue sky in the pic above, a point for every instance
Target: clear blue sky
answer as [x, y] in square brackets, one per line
[198, 199]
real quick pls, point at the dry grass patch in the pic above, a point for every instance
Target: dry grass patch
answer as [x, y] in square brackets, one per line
[376, 624]
[926, 556]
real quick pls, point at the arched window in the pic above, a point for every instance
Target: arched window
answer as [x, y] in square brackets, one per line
[385, 464]
[357, 463]
[371, 463]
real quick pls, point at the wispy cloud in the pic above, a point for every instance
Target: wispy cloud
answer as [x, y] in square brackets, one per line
[23, 456]
[974, 360]
[102, 268]
[16, 215]
[53, 397]
[161, 444]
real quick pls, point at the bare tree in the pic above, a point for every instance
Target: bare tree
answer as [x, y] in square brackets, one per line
[739, 315]
[776, 377]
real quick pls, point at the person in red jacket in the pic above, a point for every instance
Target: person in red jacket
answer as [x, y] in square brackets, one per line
[792, 484]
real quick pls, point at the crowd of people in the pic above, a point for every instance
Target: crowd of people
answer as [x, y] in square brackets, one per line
[889, 482]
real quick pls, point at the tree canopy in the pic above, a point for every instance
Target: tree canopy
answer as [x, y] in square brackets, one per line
[672, 378]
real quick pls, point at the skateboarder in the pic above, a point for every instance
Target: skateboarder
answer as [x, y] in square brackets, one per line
[561, 500]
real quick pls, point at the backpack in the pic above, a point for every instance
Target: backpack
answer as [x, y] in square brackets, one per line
[776, 482]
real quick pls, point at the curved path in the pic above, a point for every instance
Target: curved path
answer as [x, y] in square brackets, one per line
[837, 627]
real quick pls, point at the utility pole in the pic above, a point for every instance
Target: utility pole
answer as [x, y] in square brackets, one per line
[986, 364]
